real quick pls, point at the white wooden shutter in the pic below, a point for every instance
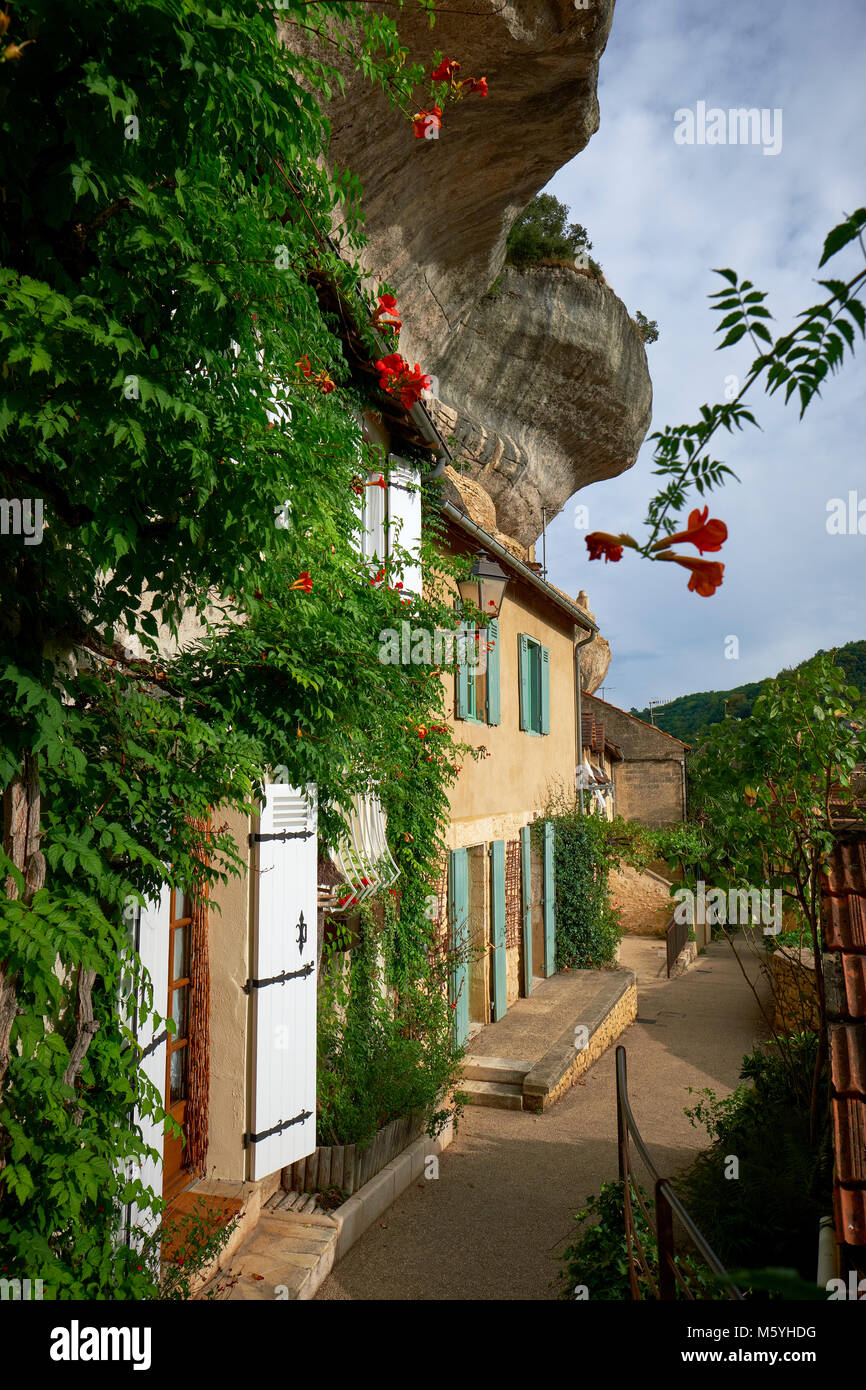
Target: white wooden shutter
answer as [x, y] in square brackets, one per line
[151, 941]
[404, 521]
[375, 508]
[283, 1109]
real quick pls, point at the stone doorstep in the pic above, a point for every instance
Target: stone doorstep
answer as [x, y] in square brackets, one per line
[253, 1196]
[548, 1075]
[295, 1252]
[503, 1095]
[508, 1070]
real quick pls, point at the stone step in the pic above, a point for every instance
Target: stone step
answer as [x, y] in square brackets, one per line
[505, 1069]
[502, 1094]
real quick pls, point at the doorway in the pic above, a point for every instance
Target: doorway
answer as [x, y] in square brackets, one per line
[174, 1175]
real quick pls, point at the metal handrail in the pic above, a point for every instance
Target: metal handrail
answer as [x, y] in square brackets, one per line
[667, 1204]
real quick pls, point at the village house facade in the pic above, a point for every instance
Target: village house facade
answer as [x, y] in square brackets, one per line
[521, 710]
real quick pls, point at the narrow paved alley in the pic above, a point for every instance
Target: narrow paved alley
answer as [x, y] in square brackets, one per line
[500, 1214]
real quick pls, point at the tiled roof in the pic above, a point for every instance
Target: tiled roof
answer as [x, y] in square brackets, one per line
[843, 892]
[636, 720]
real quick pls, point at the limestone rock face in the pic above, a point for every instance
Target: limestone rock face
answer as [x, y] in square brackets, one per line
[595, 656]
[544, 389]
[438, 211]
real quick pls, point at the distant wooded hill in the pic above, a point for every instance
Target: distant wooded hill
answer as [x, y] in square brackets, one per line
[689, 716]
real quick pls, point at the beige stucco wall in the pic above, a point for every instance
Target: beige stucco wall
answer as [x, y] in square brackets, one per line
[229, 1015]
[493, 797]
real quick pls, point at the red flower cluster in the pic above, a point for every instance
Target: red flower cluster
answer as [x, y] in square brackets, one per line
[397, 377]
[303, 582]
[304, 365]
[447, 72]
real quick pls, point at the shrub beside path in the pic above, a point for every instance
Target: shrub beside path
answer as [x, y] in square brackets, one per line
[494, 1223]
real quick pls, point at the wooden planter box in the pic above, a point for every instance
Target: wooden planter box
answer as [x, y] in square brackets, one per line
[349, 1166]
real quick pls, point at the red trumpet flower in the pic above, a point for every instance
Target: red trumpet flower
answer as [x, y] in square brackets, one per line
[476, 84]
[303, 582]
[446, 70]
[427, 124]
[600, 543]
[706, 535]
[706, 575]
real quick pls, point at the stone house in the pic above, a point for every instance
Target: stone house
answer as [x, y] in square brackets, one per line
[649, 779]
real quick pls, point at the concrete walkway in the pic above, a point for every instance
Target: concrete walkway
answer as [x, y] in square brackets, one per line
[501, 1212]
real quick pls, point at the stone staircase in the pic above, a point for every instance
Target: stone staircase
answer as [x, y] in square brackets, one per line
[496, 1081]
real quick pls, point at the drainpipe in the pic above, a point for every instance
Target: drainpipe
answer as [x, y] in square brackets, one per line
[827, 1268]
[577, 647]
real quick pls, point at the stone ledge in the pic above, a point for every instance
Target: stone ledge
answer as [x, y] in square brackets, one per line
[614, 1008]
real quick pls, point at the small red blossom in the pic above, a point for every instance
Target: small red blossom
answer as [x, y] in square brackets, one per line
[427, 124]
[445, 71]
[303, 582]
[325, 383]
[377, 482]
[477, 84]
[304, 365]
[387, 315]
[599, 543]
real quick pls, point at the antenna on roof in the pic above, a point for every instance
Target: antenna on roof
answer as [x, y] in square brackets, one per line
[651, 705]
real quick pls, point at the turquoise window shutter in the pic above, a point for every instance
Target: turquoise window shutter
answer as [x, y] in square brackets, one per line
[523, 663]
[545, 689]
[462, 672]
[549, 902]
[458, 924]
[493, 714]
[497, 934]
[526, 898]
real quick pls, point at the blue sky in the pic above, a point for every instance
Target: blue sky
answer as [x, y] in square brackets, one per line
[660, 216]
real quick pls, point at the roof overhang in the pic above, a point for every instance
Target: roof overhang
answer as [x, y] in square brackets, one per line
[491, 544]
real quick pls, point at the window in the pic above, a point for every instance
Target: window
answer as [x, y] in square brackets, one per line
[478, 673]
[534, 667]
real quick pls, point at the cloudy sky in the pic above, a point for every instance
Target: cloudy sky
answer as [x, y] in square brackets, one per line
[660, 216]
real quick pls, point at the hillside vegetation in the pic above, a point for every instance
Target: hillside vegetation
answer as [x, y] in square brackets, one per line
[689, 716]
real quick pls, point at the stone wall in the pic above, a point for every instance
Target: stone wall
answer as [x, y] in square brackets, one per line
[650, 793]
[642, 900]
[795, 992]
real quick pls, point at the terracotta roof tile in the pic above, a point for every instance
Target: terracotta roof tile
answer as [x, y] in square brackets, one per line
[850, 1210]
[854, 976]
[848, 1059]
[845, 923]
[843, 890]
[847, 869]
[849, 1140]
